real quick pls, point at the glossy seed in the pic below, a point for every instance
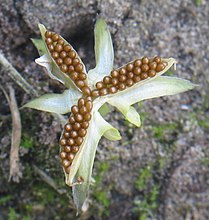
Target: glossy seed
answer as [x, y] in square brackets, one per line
[114, 81]
[113, 89]
[64, 68]
[76, 61]
[75, 149]
[86, 90]
[60, 41]
[145, 60]
[67, 149]
[63, 154]
[67, 60]
[129, 82]
[76, 126]
[55, 37]
[153, 65]
[136, 79]
[66, 134]
[79, 67]
[160, 67]
[71, 68]
[66, 163]
[72, 120]
[72, 54]
[122, 71]
[67, 169]
[67, 48]
[63, 54]
[95, 93]
[88, 98]
[58, 48]
[151, 73]
[74, 75]
[89, 105]
[107, 80]
[51, 47]
[55, 55]
[73, 134]
[63, 142]
[122, 78]
[145, 67]
[59, 61]
[48, 40]
[83, 110]
[99, 85]
[48, 34]
[143, 76]
[79, 140]
[74, 109]
[130, 75]
[78, 117]
[115, 73]
[137, 63]
[82, 132]
[70, 142]
[79, 83]
[157, 59]
[82, 76]
[85, 124]
[87, 117]
[68, 127]
[121, 86]
[103, 91]
[137, 71]
[81, 102]
[129, 67]
[70, 156]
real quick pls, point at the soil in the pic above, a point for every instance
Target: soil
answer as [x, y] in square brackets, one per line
[158, 171]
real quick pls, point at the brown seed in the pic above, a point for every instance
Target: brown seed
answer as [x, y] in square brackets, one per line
[85, 124]
[70, 142]
[157, 59]
[153, 65]
[129, 82]
[58, 48]
[72, 120]
[151, 73]
[66, 163]
[67, 149]
[63, 54]
[76, 126]
[89, 105]
[74, 75]
[103, 91]
[121, 86]
[78, 117]
[114, 81]
[59, 61]
[114, 73]
[51, 47]
[82, 132]
[55, 37]
[136, 79]
[86, 90]
[75, 149]
[160, 67]
[79, 83]
[87, 117]
[63, 154]
[48, 34]
[67, 60]
[137, 70]
[78, 67]
[73, 134]
[55, 55]
[81, 102]
[107, 80]
[71, 68]
[66, 135]
[68, 169]
[88, 98]
[122, 78]
[122, 71]
[68, 127]
[95, 93]
[63, 142]
[48, 41]
[129, 67]
[74, 109]
[80, 179]
[137, 62]
[67, 48]
[82, 76]
[143, 76]
[145, 67]
[145, 60]
[61, 42]
[113, 89]
[63, 68]
[83, 110]
[99, 85]
[130, 75]
[79, 141]
[76, 61]
[70, 156]
[72, 54]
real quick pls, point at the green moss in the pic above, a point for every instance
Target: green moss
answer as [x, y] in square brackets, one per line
[205, 161]
[26, 141]
[204, 123]
[198, 2]
[12, 214]
[5, 199]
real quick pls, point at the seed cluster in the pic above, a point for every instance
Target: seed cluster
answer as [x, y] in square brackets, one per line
[128, 75]
[75, 131]
[67, 59]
